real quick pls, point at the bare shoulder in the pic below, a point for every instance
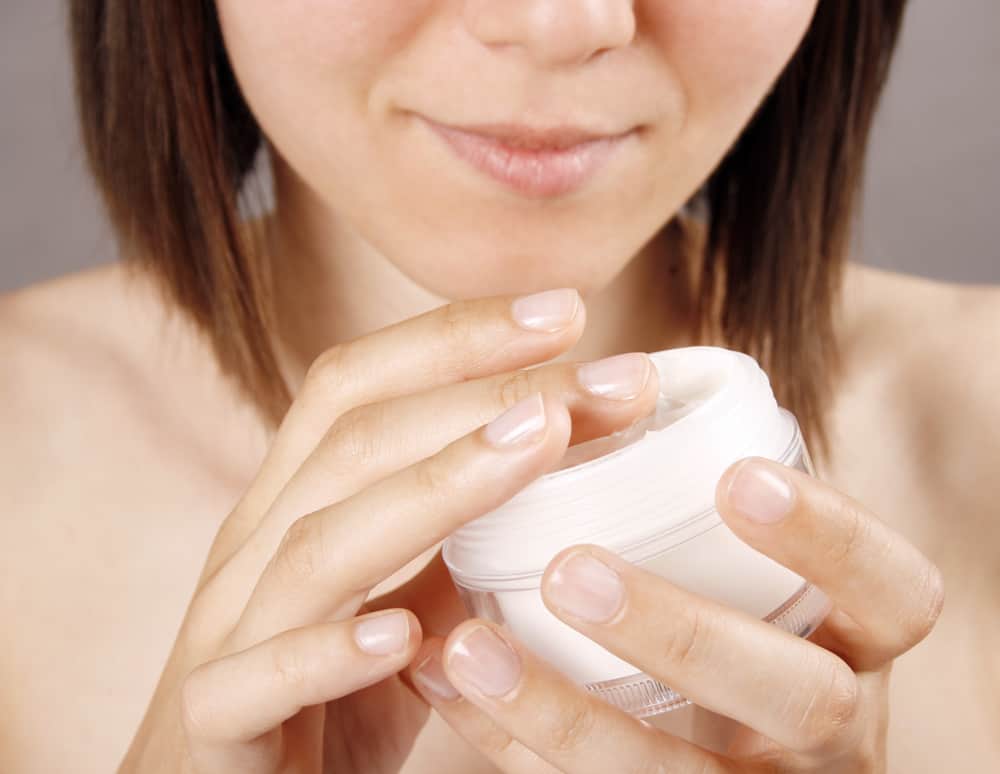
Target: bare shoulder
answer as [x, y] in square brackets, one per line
[917, 423]
[116, 467]
[59, 340]
[923, 376]
[55, 357]
[896, 304]
[939, 338]
[947, 337]
[97, 371]
[71, 349]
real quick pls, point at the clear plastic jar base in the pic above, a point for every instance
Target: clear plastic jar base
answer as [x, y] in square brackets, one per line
[639, 695]
[642, 696]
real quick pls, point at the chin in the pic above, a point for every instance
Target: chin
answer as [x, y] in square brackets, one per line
[498, 274]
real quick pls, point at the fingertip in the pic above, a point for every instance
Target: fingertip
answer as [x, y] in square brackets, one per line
[733, 470]
[482, 658]
[558, 420]
[427, 648]
[556, 313]
[458, 633]
[724, 486]
[757, 490]
[416, 631]
[580, 322]
[567, 553]
[388, 633]
[426, 674]
[456, 639]
[555, 562]
[586, 584]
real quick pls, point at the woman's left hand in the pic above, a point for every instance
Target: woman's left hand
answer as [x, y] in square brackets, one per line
[805, 705]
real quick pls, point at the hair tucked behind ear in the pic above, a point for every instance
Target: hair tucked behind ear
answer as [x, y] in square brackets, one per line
[170, 141]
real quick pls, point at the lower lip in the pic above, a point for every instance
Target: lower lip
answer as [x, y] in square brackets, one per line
[536, 173]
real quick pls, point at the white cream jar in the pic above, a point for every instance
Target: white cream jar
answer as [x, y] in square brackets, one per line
[647, 493]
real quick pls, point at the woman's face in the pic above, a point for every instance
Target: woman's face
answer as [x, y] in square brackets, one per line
[345, 89]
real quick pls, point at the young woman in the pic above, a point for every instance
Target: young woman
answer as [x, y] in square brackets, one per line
[230, 459]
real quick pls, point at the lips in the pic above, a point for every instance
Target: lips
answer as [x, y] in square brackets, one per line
[526, 138]
[532, 162]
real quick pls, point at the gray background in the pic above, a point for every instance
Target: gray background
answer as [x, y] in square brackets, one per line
[931, 197]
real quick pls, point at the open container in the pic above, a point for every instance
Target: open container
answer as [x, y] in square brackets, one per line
[647, 493]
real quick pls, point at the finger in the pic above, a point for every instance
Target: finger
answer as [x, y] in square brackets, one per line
[873, 574]
[602, 396]
[233, 707]
[375, 440]
[573, 730]
[431, 595]
[462, 340]
[722, 659]
[743, 743]
[426, 676]
[330, 559]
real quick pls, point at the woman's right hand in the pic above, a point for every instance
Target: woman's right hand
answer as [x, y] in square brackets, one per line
[381, 455]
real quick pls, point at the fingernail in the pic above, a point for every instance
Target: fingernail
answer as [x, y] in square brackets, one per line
[621, 377]
[524, 422]
[760, 494]
[430, 674]
[549, 311]
[585, 587]
[383, 635]
[486, 661]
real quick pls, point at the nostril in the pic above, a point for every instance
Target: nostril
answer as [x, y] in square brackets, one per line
[568, 33]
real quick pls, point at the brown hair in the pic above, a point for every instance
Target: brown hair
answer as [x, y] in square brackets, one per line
[170, 142]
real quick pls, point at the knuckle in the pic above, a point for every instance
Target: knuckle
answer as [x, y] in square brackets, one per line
[573, 725]
[493, 740]
[328, 372]
[458, 322]
[299, 555]
[829, 721]
[433, 475]
[194, 714]
[929, 609]
[203, 615]
[660, 765]
[512, 387]
[355, 438]
[856, 533]
[288, 666]
[703, 765]
[685, 644]
[768, 758]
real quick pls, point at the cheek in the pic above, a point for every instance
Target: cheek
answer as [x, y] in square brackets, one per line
[319, 30]
[320, 74]
[296, 57]
[728, 54]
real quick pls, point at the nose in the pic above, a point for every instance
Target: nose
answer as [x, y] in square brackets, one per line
[553, 32]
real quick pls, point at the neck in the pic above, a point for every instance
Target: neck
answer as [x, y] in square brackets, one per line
[331, 286]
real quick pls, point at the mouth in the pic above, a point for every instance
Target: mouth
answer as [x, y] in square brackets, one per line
[529, 139]
[538, 163]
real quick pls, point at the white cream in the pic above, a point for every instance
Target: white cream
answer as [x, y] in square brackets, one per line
[647, 493]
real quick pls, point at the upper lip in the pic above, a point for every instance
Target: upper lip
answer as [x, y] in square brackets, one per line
[530, 138]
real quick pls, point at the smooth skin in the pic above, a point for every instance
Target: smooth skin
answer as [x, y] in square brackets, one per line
[265, 647]
[268, 675]
[271, 632]
[806, 705]
[158, 541]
